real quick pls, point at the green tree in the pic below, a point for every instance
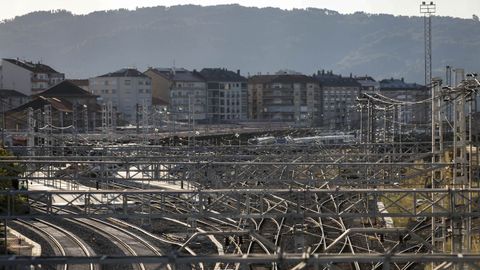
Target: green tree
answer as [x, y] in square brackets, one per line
[8, 172]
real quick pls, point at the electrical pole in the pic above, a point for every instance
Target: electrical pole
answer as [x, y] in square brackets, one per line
[428, 9]
[437, 181]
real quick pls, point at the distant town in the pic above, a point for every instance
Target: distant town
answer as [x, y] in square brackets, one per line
[128, 96]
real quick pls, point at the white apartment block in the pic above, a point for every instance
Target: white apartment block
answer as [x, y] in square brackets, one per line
[27, 77]
[126, 89]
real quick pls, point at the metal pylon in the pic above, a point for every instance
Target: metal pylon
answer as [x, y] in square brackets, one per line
[47, 119]
[85, 119]
[31, 131]
[107, 117]
[461, 224]
[460, 173]
[437, 178]
[145, 121]
[428, 48]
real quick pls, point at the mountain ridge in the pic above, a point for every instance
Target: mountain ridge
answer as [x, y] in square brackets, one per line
[236, 37]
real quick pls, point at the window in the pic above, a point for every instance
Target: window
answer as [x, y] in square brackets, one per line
[140, 82]
[127, 82]
[140, 91]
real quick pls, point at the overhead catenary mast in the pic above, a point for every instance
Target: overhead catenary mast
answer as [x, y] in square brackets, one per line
[428, 9]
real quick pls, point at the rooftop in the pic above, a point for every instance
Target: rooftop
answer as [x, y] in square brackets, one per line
[334, 80]
[66, 88]
[159, 102]
[289, 78]
[221, 75]
[33, 67]
[396, 84]
[125, 72]
[180, 74]
[39, 102]
[80, 82]
[364, 78]
[10, 93]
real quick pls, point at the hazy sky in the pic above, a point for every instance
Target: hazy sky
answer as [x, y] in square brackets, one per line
[455, 8]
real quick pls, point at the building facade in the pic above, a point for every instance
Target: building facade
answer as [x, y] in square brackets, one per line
[162, 81]
[368, 85]
[410, 93]
[11, 99]
[186, 91]
[82, 83]
[339, 101]
[289, 98]
[72, 109]
[27, 77]
[226, 95]
[127, 89]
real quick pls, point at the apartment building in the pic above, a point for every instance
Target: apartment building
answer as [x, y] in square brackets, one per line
[368, 85]
[399, 90]
[126, 89]
[285, 97]
[226, 95]
[27, 77]
[184, 90]
[70, 106]
[339, 101]
[11, 99]
[82, 83]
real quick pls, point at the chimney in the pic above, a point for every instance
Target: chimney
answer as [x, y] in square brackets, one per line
[403, 80]
[238, 71]
[351, 76]
[323, 71]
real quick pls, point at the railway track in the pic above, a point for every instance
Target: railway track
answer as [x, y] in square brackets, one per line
[63, 242]
[323, 230]
[130, 243]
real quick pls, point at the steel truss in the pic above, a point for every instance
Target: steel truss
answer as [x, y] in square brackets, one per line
[247, 203]
[348, 192]
[312, 261]
[203, 174]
